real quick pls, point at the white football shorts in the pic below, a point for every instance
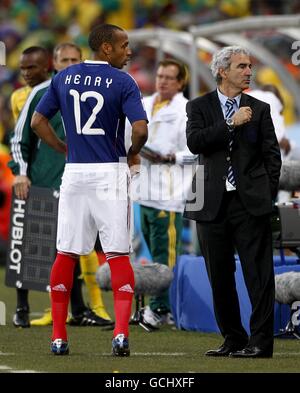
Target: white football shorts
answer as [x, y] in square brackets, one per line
[94, 197]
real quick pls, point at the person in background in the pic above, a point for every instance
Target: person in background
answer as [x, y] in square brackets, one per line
[166, 151]
[94, 99]
[234, 136]
[34, 65]
[34, 70]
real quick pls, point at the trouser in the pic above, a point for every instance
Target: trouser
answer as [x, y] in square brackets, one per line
[162, 233]
[234, 228]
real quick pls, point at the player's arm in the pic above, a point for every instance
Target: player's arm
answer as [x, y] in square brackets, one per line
[44, 111]
[22, 145]
[138, 139]
[18, 164]
[41, 126]
[134, 110]
[139, 136]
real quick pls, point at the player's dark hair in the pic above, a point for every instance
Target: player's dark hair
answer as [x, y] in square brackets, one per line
[101, 34]
[35, 49]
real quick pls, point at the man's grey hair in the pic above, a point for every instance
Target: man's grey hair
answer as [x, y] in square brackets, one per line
[222, 59]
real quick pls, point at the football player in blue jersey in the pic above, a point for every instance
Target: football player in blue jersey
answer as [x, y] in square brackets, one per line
[94, 99]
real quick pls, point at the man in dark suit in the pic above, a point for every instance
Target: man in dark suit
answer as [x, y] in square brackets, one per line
[234, 136]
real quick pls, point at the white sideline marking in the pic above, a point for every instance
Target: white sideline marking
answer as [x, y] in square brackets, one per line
[24, 371]
[159, 353]
[286, 353]
[151, 354]
[2, 310]
[6, 353]
[11, 370]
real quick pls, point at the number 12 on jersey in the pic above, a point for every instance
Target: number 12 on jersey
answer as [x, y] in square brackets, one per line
[87, 128]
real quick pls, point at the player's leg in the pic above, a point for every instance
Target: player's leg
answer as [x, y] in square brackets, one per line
[122, 281]
[165, 241]
[89, 266]
[112, 217]
[77, 303]
[76, 235]
[61, 280]
[81, 314]
[21, 317]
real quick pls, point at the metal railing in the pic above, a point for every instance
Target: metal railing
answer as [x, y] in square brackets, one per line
[186, 45]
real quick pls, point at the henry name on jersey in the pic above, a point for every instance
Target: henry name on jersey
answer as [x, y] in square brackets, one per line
[88, 80]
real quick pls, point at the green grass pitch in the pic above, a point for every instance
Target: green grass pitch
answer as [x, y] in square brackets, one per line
[163, 351]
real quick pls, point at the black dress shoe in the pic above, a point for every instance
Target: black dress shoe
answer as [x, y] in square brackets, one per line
[252, 352]
[224, 350]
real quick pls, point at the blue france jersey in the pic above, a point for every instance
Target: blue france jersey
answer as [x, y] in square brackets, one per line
[94, 99]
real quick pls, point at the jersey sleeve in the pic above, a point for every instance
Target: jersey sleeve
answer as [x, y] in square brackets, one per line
[49, 104]
[23, 139]
[132, 101]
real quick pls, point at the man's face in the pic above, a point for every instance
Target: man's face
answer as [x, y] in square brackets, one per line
[166, 82]
[65, 57]
[34, 68]
[120, 53]
[238, 75]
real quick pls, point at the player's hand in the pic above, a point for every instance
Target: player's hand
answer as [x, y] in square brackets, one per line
[21, 186]
[134, 163]
[242, 116]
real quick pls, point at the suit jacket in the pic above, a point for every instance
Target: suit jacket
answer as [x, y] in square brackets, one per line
[255, 155]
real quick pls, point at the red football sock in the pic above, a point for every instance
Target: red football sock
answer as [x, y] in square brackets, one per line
[122, 282]
[61, 281]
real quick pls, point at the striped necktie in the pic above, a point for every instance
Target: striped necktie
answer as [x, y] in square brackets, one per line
[229, 113]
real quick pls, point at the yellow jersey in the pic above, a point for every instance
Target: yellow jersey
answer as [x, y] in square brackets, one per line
[18, 99]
